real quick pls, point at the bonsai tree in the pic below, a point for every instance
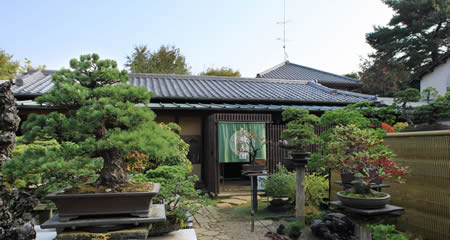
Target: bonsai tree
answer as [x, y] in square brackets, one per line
[300, 129]
[405, 96]
[360, 151]
[101, 122]
[434, 111]
[252, 146]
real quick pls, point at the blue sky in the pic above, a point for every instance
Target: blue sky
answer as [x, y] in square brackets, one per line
[323, 34]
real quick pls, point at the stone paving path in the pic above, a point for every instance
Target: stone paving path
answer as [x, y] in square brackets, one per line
[209, 224]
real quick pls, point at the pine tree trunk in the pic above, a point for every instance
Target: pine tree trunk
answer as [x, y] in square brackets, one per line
[113, 172]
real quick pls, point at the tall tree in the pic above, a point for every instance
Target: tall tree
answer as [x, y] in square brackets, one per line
[138, 61]
[223, 71]
[8, 67]
[382, 77]
[417, 34]
[29, 66]
[167, 60]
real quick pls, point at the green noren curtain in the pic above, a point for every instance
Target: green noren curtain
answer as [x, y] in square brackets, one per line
[233, 144]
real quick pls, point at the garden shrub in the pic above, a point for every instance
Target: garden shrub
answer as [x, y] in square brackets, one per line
[400, 126]
[316, 189]
[177, 192]
[385, 232]
[316, 162]
[434, 111]
[312, 213]
[280, 184]
[294, 229]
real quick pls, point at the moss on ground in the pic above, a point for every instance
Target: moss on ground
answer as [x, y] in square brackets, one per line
[127, 187]
[243, 211]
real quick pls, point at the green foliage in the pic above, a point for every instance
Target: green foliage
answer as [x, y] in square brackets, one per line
[283, 184]
[376, 115]
[102, 122]
[300, 128]
[167, 60]
[403, 97]
[8, 68]
[280, 184]
[177, 191]
[344, 116]
[382, 77]
[360, 151]
[316, 189]
[294, 229]
[223, 71]
[429, 94]
[316, 162]
[22, 145]
[434, 111]
[415, 36]
[385, 232]
[51, 167]
[29, 66]
[312, 213]
[400, 126]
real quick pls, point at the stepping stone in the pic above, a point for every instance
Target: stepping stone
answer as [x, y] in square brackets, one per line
[244, 198]
[210, 233]
[223, 205]
[234, 201]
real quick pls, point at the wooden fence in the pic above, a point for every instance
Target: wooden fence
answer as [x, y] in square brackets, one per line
[425, 194]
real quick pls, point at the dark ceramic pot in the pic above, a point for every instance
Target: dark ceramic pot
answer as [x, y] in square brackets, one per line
[364, 203]
[71, 206]
[300, 155]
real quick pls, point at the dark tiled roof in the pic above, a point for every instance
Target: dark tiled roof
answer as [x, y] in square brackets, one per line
[287, 70]
[204, 106]
[210, 88]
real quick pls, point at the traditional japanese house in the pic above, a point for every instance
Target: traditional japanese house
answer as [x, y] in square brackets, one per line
[212, 109]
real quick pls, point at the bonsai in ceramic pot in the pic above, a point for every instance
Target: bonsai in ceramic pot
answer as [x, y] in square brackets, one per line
[360, 152]
[251, 145]
[299, 133]
[100, 122]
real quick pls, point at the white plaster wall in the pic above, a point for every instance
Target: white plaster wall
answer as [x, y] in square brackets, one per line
[439, 78]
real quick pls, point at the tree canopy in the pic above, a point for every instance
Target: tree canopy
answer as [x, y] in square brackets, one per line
[223, 71]
[417, 34]
[167, 60]
[101, 124]
[383, 77]
[8, 67]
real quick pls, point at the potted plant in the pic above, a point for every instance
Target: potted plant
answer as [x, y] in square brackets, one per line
[281, 187]
[251, 145]
[361, 153]
[299, 133]
[101, 123]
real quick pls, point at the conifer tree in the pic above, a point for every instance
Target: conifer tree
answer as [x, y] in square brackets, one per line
[417, 34]
[103, 119]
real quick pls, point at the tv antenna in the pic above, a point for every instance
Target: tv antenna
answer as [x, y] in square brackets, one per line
[284, 22]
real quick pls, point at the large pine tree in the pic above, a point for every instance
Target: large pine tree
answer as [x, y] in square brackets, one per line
[102, 119]
[417, 34]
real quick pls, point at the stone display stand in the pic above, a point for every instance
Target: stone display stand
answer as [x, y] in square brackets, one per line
[90, 227]
[362, 217]
[299, 162]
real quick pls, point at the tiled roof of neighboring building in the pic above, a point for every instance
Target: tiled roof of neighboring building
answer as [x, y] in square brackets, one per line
[170, 87]
[287, 70]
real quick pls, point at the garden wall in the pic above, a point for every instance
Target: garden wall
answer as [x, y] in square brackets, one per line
[425, 195]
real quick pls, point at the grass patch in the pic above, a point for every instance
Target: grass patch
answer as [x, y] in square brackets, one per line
[243, 211]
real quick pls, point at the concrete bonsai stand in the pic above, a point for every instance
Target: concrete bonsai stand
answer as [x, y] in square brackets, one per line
[95, 213]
